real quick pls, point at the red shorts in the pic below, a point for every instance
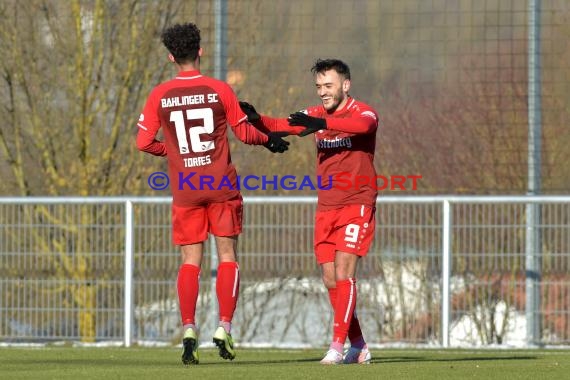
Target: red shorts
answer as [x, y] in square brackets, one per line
[347, 229]
[191, 225]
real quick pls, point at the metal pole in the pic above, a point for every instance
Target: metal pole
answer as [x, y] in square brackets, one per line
[128, 273]
[213, 277]
[446, 269]
[220, 46]
[220, 43]
[533, 239]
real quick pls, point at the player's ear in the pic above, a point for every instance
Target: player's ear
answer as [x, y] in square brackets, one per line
[171, 58]
[346, 85]
[200, 51]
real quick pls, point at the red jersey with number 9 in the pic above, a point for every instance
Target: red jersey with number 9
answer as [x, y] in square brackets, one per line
[193, 111]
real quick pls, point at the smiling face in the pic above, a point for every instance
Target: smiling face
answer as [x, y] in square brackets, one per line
[332, 88]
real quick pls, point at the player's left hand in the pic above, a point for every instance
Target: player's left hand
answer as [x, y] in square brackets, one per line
[312, 124]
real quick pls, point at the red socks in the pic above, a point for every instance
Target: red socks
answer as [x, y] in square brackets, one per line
[354, 331]
[227, 289]
[188, 284]
[344, 309]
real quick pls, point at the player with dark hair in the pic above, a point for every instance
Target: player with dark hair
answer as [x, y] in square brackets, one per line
[193, 111]
[345, 134]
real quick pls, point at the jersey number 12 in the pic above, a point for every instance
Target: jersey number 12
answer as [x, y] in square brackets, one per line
[206, 114]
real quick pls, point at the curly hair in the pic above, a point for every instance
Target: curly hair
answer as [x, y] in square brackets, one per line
[322, 65]
[182, 41]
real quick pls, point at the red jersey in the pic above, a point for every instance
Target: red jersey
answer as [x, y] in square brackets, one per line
[345, 153]
[193, 110]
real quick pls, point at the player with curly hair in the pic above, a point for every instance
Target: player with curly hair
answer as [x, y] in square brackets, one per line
[193, 112]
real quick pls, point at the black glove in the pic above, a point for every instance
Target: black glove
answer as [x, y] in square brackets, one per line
[276, 144]
[249, 110]
[312, 124]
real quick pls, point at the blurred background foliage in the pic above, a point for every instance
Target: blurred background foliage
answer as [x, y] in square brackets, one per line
[449, 79]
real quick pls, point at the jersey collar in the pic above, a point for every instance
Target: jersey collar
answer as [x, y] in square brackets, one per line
[190, 74]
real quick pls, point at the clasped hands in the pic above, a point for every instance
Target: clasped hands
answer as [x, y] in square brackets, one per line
[311, 124]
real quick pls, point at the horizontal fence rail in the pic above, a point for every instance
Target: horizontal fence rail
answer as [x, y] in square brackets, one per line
[449, 271]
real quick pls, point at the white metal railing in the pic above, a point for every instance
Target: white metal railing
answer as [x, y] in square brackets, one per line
[445, 201]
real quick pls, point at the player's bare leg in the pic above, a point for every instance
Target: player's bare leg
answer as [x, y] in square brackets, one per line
[227, 247]
[188, 286]
[227, 289]
[192, 254]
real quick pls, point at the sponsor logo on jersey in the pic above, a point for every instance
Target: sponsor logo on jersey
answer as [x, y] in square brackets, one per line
[335, 143]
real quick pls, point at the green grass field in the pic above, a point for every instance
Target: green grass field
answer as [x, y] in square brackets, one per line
[164, 363]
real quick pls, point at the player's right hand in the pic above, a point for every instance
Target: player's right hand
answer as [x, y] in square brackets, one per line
[311, 124]
[249, 110]
[276, 144]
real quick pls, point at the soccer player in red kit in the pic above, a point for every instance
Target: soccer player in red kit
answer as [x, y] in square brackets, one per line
[345, 134]
[193, 111]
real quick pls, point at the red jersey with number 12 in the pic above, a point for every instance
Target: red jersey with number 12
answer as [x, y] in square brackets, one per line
[193, 111]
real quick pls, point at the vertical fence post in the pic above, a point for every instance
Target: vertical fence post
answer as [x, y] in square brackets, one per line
[220, 49]
[128, 272]
[220, 39]
[446, 265]
[533, 237]
[533, 269]
[213, 277]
